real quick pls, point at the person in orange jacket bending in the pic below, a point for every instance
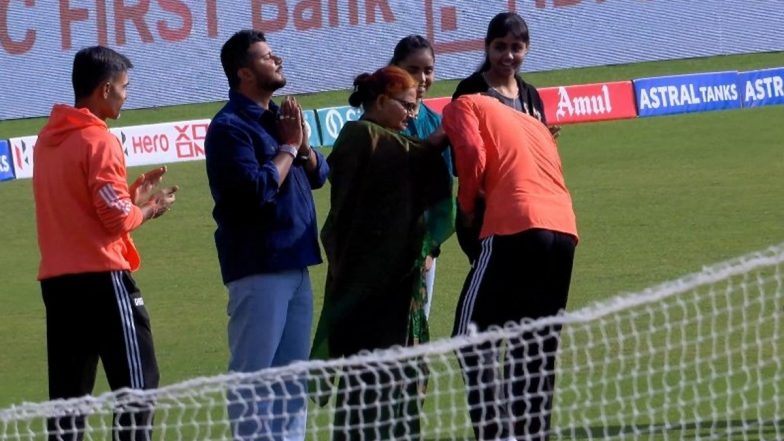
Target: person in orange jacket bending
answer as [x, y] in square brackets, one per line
[85, 212]
[528, 238]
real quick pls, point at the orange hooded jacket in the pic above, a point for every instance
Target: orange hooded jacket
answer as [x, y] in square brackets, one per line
[83, 210]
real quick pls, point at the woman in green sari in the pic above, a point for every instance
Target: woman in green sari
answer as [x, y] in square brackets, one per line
[382, 183]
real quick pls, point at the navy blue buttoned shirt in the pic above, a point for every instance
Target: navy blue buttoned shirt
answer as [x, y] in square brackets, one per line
[263, 225]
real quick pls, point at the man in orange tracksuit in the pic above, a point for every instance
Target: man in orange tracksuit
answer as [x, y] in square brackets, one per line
[528, 237]
[85, 213]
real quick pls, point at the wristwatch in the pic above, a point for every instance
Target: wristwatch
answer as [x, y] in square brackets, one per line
[290, 149]
[304, 157]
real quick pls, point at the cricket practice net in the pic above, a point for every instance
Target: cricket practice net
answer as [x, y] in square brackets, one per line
[699, 357]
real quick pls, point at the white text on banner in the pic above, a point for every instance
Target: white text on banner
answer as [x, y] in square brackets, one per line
[6, 162]
[762, 87]
[163, 143]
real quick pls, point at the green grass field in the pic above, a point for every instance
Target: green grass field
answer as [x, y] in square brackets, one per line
[655, 198]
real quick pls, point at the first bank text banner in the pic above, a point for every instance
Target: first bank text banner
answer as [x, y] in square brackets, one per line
[175, 44]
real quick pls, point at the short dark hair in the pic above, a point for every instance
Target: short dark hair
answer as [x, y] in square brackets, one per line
[502, 24]
[93, 65]
[234, 53]
[408, 45]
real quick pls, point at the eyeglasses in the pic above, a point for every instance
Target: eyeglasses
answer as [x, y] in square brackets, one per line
[408, 105]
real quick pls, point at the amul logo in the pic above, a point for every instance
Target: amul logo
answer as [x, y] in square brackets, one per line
[583, 105]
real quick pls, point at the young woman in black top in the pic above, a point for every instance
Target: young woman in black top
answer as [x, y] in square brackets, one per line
[506, 45]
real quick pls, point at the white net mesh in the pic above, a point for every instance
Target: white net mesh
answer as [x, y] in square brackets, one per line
[696, 358]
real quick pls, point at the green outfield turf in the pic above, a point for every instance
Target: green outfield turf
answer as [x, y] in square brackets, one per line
[655, 198]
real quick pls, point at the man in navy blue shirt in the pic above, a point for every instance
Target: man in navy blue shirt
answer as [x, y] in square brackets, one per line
[261, 172]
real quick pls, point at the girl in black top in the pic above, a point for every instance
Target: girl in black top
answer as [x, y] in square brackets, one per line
[524, 415]
[506, 45]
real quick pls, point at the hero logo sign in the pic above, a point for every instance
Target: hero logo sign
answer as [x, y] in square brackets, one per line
[190, 140]
[146, 144]
[122, 142]
[164, 142]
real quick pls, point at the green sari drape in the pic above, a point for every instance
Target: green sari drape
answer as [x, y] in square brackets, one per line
[376, 237]
[439, 224]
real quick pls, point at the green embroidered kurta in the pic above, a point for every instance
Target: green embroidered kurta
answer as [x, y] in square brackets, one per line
[439, 221]
[382, 184]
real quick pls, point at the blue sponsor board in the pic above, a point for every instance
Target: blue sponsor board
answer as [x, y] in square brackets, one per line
[687, 93]
[762, 87]
[314, 137]
[332, 119]
[6, 162]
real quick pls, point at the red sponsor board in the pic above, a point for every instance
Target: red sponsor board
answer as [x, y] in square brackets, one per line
[588, 102]
[437, 104]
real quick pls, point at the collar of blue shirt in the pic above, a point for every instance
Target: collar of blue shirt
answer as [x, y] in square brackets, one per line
[249, 108]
